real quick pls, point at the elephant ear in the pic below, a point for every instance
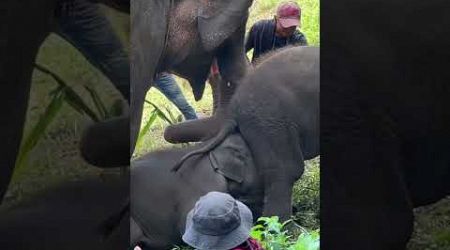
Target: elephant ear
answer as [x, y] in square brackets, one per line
[231, 158]
[215, 28]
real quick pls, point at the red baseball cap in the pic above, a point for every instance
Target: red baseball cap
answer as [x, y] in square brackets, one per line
[288, 14]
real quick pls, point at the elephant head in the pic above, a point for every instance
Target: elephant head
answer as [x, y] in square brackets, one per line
[181, 36]
[228, 168]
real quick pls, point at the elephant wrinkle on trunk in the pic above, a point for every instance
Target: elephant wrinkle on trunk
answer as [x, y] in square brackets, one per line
[229, 167]
[276, 111]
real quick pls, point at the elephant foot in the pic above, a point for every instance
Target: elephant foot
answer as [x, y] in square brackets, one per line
[107, 144]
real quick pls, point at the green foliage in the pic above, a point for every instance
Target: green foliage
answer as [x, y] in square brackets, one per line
[63, 93]
[306, 195]
[274, 235]
[307, 241]
[432, 227]
[170, 118]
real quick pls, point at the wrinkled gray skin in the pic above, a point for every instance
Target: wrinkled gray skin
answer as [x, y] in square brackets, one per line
[68, 216]
[276, 110]
[182, 36]
[385, 119]
[161, 199]
[24, 26]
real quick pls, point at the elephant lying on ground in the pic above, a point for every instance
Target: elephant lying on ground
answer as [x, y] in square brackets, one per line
[161, 199]
[385, 119]
[67, 216]
[276, 110]
[182, 36]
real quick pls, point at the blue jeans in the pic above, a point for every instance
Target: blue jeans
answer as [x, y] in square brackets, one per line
[88, 30]
[168, 86]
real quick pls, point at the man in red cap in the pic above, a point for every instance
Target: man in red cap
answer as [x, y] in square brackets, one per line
[267, 35]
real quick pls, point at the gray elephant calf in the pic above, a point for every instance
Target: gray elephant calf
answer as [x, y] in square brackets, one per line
[276, 110]
[161, 199]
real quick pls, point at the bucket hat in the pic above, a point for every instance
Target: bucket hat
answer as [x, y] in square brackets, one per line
[217, 222]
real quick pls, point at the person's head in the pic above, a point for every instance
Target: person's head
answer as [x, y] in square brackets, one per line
[287, 18]
[217, 222]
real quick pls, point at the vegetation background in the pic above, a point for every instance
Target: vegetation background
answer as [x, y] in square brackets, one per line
[56, 157]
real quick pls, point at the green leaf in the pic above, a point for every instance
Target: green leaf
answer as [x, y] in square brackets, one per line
[173, 119]
[147, 126]
[307, 241]
[97, 102]
[71, 97]
[160, 112]
[76, 102]
[39, 129]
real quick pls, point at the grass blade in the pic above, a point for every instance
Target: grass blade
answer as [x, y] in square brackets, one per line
[97, 102]
[172, 117]
[71, 97]
[147, 126]
[160, 113]
[39, 129]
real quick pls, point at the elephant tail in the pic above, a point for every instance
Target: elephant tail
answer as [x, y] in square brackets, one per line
[229, 126]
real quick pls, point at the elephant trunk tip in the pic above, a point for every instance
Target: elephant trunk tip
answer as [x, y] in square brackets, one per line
[98, 147]
[169, 135]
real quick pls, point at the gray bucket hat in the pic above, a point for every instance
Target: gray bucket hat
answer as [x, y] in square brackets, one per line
[217, 222]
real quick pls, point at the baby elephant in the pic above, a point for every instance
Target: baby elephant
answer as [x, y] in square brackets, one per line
[276, 111]
[161, 199]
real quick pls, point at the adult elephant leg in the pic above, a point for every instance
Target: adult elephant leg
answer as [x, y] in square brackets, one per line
[213, 81]
[224, 92]
[14, 93]
[18, 51]
[365, 201]
[148, 37]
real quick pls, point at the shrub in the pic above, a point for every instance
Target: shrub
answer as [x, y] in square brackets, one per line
[275, 235]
